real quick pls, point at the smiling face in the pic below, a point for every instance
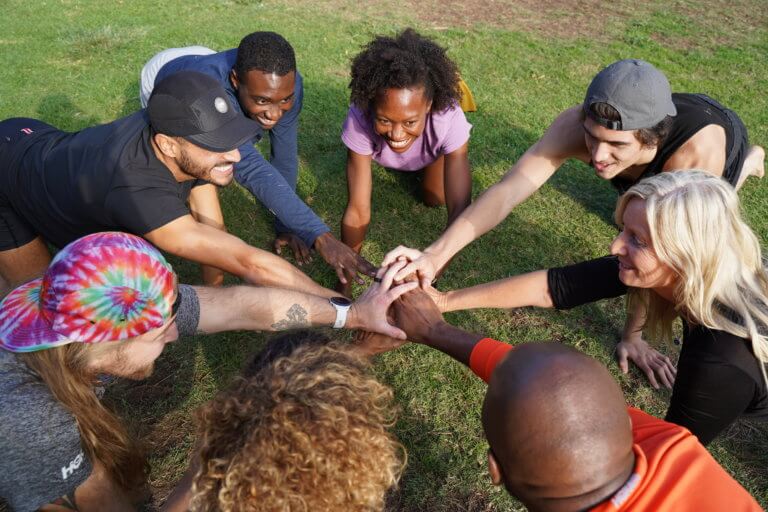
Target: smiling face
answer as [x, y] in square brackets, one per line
[216, 168]
[639, 266]
[614, 151]
[264, 97]
[400, 115]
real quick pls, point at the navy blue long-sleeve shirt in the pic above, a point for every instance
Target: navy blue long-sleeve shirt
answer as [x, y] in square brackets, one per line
[273, 181]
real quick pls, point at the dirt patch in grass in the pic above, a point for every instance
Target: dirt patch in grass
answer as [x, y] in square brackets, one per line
[705, 23]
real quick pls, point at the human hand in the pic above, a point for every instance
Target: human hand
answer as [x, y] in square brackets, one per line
[417, 315]
[343, 259]
[650, 361]
[423, 264]
[370, 343]
[369, 311]
[296, 244]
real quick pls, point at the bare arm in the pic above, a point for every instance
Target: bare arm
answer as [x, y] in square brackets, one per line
[273, 309]
[513, 292]
[563, 139]
[204, 244]
[357, 216]
[204, 203]
[705, 151]
[457, 182]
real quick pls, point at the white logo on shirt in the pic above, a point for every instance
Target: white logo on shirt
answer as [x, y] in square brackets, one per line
[221, 104]
[67, 471]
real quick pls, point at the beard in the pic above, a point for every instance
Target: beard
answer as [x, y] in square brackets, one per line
[191, 168]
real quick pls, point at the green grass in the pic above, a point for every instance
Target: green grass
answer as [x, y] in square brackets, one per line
[74, 64]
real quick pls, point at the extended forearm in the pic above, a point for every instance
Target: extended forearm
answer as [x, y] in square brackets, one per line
[261, 309]
[513, 292]
[354, 226]
[453, 341]
[266, 269]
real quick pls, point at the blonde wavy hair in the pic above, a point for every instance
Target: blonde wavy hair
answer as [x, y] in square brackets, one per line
[696, 228]
[307, 432]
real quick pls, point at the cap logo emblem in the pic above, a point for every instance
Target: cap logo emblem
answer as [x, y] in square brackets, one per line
[221, 104]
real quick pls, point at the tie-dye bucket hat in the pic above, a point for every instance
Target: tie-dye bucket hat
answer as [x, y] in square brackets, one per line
[102, 287]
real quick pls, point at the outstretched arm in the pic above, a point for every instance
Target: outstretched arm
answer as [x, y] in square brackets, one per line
[564, 139]
[273, 309]
[198, 242]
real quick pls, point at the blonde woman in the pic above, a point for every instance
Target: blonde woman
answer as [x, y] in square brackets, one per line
[684, 251]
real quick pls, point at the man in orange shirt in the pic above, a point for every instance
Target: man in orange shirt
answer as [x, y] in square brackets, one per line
[561, 436]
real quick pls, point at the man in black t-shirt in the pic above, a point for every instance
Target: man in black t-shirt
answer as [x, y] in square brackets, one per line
[135, 174]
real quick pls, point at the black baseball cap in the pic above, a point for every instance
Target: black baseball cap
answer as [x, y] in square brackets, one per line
[195, 106]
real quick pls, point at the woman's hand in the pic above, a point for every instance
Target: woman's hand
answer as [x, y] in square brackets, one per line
[656, 366]
[424, 264]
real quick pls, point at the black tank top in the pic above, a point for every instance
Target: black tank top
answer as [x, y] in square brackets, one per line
[694, 112]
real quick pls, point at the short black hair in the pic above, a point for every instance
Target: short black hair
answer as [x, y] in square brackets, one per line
[265, 51]
[405, 61]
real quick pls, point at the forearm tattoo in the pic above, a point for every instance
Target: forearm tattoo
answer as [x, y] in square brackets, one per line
[295, 318]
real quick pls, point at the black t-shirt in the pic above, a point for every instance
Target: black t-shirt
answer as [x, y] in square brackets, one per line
[718, 376]
[103, 178]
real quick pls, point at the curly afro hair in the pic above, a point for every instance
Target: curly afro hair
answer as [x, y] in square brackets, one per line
[405, 61]
[307, 431]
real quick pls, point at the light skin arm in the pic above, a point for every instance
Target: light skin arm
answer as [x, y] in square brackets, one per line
[563, 139]
[206, 209]
[458, 182]
[632, 347]
[273, 309]
[705, 150]
[513, 292]
[204, 244]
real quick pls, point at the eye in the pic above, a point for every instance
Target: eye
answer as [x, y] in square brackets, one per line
[260, 101]
[410, 124]
[382, 121]
[637, 242]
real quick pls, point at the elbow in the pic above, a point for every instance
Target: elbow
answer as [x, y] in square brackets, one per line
[356, 216]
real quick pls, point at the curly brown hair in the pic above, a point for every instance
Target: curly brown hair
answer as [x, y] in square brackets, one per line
[405, 61]
[306, 432]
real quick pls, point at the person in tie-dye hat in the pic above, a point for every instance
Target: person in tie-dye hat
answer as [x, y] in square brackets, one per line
[108, 304]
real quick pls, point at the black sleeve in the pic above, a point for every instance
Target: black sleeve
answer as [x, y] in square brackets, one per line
[141, 210]
[708, 396]
[585, 282]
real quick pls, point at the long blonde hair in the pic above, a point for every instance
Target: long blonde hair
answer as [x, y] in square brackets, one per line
[696, 228]
[104, 439]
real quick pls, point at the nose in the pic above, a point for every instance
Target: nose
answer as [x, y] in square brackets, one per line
[397, 132]
[232, 156]
[619, 246]
[274, 112]
[600, 152]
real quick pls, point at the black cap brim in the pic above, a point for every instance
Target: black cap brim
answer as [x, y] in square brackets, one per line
[228, 136]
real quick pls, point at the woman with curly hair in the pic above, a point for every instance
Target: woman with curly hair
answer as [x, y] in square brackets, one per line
[405, 115]
[304, 429]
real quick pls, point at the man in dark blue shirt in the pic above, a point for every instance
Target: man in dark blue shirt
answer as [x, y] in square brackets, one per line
[261, 80]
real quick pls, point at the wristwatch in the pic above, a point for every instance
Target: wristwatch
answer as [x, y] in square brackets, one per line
[341, 305]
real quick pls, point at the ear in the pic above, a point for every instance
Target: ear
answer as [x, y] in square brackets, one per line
[494, 469]
[233, 79]
[167, 145]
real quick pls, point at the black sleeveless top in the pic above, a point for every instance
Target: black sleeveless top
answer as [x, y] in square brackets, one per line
[694, 112]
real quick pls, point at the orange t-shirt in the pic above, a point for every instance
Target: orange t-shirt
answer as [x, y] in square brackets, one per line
[673, 471]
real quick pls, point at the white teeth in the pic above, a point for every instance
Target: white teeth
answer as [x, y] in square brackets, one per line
[399, 143]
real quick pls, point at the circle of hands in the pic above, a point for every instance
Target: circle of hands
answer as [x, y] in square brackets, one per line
[402, 305]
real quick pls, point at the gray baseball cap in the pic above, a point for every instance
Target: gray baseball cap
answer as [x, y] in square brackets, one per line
[637, 90]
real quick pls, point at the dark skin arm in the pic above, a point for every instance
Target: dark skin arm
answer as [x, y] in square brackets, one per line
[458, 183]
[357, 215]
[418, 316]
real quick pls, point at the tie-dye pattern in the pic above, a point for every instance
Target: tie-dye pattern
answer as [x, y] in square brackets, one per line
[102, 287]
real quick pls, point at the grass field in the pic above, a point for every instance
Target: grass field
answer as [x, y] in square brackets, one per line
[76, 63]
